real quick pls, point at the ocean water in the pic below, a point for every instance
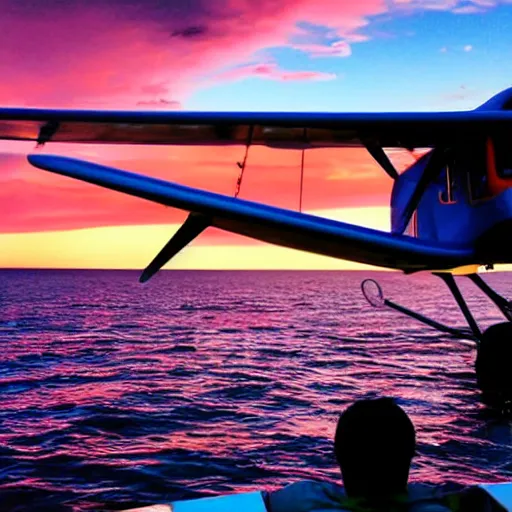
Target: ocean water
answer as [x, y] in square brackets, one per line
[115, 394]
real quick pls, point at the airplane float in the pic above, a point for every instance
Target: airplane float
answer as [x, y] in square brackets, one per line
[451, 210]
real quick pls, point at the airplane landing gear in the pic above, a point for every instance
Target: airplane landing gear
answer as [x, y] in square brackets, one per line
[494, 346]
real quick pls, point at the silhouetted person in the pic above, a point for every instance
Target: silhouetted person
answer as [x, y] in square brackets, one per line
[374, 445]
[493, 364]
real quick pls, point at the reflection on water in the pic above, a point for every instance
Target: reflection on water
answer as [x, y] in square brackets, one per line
[200, 383]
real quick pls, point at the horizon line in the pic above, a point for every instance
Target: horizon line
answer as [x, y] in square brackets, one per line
[206, 269]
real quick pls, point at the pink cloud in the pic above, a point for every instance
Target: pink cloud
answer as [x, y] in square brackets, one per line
[70, 54]
[119, 54]
[454, 6]
[468, 9]
[157, 89]
[272, 72]
[336, 49]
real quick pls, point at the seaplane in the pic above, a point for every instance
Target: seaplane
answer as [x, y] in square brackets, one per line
[451, 210]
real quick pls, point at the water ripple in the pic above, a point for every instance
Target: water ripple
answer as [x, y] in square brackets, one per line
[115, 395]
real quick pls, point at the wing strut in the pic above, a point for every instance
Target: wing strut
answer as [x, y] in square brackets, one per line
[432, 170]
[381, 158]
[452, 285]
[503, 304]
[195, 224]
[376, 299]
[46, 132]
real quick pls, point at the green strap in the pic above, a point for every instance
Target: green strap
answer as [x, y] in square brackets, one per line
[400, 503]
[397, 503]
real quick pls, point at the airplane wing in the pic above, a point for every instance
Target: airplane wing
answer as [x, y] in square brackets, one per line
[262, 222]
[274, 129]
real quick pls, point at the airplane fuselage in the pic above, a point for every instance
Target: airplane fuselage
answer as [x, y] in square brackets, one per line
[470, 202]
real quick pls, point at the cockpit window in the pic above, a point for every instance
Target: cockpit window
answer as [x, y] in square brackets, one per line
[479, 185]
[503, 155]
[473, 161]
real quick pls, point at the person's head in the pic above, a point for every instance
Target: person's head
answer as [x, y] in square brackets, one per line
[374, 445]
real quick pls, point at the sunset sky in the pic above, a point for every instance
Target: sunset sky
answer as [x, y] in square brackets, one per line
[292, 55]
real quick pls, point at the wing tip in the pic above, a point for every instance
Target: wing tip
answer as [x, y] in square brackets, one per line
[50, 162]
[35, 160]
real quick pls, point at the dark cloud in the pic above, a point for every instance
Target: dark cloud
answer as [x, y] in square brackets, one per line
[191, 32]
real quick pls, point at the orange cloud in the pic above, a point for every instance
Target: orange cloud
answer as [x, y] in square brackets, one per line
[34, 200]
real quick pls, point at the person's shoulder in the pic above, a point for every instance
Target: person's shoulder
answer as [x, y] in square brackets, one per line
[311, 488]
[306, 496]
[428, 498]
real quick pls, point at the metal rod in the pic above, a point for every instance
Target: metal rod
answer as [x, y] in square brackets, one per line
[301, 179]
[428, 321]
[373, 294]
[452, 285]
[500, 301]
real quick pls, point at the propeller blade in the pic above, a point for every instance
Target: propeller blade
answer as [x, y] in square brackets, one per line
[195, 224]
[432, 170]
